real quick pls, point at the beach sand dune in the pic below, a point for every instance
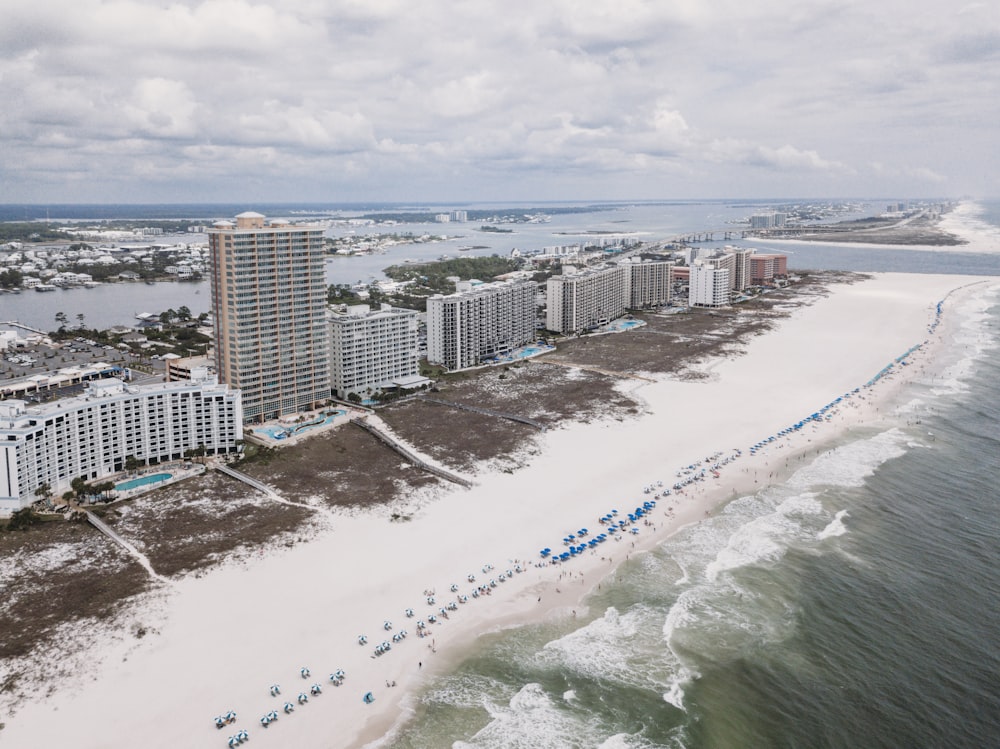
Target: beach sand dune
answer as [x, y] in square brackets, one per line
[222, 639]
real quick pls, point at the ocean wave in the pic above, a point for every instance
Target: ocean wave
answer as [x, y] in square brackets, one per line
[850, 464]
[835, 528]
[766, 538]
[531, 720]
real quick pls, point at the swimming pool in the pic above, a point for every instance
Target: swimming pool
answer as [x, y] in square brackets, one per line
[280, 432]
[154, 478]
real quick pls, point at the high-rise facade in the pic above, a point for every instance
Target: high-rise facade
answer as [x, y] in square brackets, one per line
[269, 305]
[480, 322]
[371, 348]
[649, 283]
[93, 435]
[710, 283]
[584, 300]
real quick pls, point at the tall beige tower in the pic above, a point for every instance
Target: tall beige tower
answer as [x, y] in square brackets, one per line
[269, 304]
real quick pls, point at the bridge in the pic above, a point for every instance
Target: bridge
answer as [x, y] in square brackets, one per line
[16, 324]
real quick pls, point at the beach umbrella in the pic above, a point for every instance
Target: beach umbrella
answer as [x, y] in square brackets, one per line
[362, 639]
[219, 722]
[275, 690]
[368, 698]
[289, 707]
[304, 672]
[303, 698]
[409, 612]
[387, 625]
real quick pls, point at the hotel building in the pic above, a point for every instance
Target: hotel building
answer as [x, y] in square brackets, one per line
[372, 349]
[764, 269]
[91, 435]
[710, 283]
[583, 300]
[269, 308]
[649, 283]
[480, 322]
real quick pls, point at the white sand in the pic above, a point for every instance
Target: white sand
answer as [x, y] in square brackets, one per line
[224, 638]
[963, 221]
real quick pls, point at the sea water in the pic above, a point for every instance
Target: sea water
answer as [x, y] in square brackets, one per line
[855, 605]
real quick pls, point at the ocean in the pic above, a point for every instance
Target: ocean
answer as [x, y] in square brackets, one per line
[855, 605]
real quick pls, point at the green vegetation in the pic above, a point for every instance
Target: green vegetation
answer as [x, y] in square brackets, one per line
[434, 275]
[427, 279]
[495, 229]
[28, 231]
[21, 520]
[341, 293]
[10, 279]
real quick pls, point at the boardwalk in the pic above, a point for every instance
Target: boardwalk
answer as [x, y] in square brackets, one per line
[262, 487]
[410, 454]
[488, 412]
[598, 370]
[139, 556]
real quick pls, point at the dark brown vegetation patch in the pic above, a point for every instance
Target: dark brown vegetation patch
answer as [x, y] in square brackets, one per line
[345, 467]
[196, 523]
[58, 572]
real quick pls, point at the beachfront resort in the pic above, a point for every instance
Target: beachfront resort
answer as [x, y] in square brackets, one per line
[281, 352]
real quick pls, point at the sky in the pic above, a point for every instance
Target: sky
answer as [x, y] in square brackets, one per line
[110, 101]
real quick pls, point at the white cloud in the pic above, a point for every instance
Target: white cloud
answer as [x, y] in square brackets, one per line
[454, 96]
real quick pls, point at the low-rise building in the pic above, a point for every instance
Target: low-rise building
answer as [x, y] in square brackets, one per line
[91, 436]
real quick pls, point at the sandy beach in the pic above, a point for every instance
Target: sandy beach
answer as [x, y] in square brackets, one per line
[217, 642]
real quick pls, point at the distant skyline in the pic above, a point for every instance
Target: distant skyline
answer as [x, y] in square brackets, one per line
[385, 100]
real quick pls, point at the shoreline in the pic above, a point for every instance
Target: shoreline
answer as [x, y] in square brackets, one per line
[237, 629]
[956, 223]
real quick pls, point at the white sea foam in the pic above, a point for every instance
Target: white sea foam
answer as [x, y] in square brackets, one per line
[835, 528]
[849, 465]
[766, 538]
[598, 650]
[530, 721]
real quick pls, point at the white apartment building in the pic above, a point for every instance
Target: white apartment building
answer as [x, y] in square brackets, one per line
[269, 310]
[372, 348]
[583, 300]
[480, 322]
[648, 283]
[709, 284]
[90, 436]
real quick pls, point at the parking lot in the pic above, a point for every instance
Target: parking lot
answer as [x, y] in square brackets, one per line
[25, 361]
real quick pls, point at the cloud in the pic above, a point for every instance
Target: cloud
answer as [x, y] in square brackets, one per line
[782, 158]
[604, 95]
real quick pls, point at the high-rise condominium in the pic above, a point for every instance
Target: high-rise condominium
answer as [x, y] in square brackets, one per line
[269, 304]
